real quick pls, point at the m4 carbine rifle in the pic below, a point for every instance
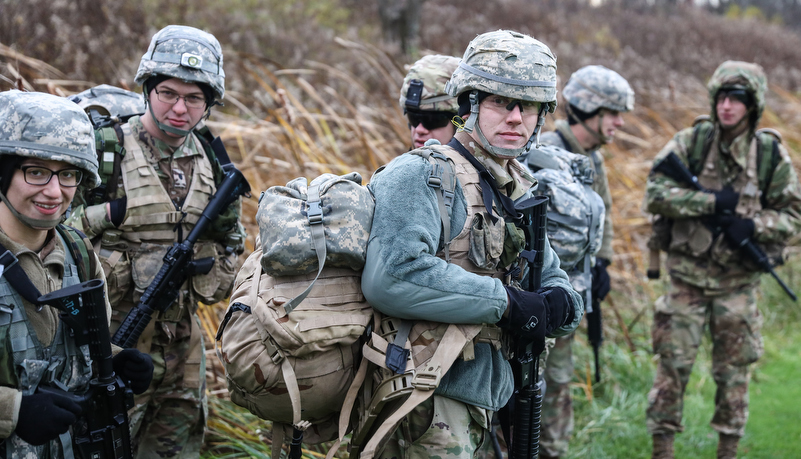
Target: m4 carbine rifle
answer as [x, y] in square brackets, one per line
[674, 168]
[178, 264]
[527, 411]
[102, 431]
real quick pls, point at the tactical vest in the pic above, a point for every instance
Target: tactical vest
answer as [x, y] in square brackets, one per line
[691, 236]
[434, 347]
[62, 364]
[153, 222]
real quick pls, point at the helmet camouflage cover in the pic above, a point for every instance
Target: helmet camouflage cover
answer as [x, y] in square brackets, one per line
[743, 75]
[433, 71]
[509, 64]
[39, 125]
[110, 100]
[186, 53]
[595, 86]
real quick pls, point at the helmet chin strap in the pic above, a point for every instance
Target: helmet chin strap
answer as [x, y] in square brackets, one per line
[503, 153]
[33, 223]
[597, 133]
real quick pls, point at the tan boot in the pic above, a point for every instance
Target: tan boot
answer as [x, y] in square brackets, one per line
[727, 446]
[663, 446]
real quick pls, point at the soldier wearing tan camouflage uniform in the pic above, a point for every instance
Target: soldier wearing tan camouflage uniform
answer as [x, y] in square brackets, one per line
[166, 180]
[428, 108]
[596, 99]
[47, 149]
[505, 85]
[754, 194]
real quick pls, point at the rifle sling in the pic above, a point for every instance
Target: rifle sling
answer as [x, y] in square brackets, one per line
[489, 191]
[17, 277]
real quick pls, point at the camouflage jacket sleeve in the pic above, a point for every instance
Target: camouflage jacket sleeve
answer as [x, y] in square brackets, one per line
[667, 197]
[601, 186]
[92, 220]
[780, 220]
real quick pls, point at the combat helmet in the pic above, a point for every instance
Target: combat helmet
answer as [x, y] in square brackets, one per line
[188, 54]
[424, 85]
[39, 125]
[594, 87]
[508, 64]
[740, 75]
[110, 101]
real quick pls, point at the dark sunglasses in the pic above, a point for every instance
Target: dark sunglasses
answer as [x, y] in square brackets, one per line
[740, 95]
[430, 120]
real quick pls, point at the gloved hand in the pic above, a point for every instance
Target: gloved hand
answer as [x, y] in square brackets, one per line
[44, 416]
[134, 367]
[116, 210]
[601, 283]
[736, 229]
[533, 315]
[725, 201]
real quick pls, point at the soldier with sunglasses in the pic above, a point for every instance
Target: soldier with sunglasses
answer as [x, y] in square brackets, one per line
[748, 191]
[427, 107]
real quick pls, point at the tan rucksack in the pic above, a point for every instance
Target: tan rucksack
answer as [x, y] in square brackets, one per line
[294, 365]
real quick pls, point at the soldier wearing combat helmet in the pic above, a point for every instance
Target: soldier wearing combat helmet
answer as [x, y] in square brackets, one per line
[750, 193]
[47, 149]
[452, 264]
[167, 175]
[428, 108]
[596, 99]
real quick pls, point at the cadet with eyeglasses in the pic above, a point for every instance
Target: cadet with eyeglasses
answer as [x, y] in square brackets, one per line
[458, 263]
[47, 150]
[167, 175]
[747, 191]
[429, 110]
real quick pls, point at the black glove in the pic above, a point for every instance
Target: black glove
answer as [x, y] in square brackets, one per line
[134, 367]
[44, 416]
[601, 283]
[533, 315]
[737, 230]
[117, 210]
[725, 201]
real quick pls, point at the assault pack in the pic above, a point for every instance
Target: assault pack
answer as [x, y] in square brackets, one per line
[298, 327]
[575, 211]
[768, 157]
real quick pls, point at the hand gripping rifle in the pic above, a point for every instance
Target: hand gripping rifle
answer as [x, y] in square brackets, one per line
[102, 431]
[672, 167]
[527, 412]
[178, 264]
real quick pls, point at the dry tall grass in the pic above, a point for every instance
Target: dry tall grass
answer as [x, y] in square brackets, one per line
[322, 103]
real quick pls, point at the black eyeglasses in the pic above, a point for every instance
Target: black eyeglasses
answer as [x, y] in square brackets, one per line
[431, 120]
[170, 97]
[740, 95]
[38, 175]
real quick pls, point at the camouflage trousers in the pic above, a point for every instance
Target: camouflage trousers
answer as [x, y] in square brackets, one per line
[440, 427]
[680, 319]
[557, 404]
[169, 419]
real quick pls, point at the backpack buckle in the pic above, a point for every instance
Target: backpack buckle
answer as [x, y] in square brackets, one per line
[275, 353]
[427, 379]
[314, 213]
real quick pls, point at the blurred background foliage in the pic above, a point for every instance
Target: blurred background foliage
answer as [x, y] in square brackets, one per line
[312, 87]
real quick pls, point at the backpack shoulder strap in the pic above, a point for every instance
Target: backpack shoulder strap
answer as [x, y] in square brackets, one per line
[443, 180]
[81, 250]
[768, 157]
[699, 147]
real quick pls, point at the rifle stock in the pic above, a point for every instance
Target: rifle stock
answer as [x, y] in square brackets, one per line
[102, 431]
[674, 168]
[178, 264]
